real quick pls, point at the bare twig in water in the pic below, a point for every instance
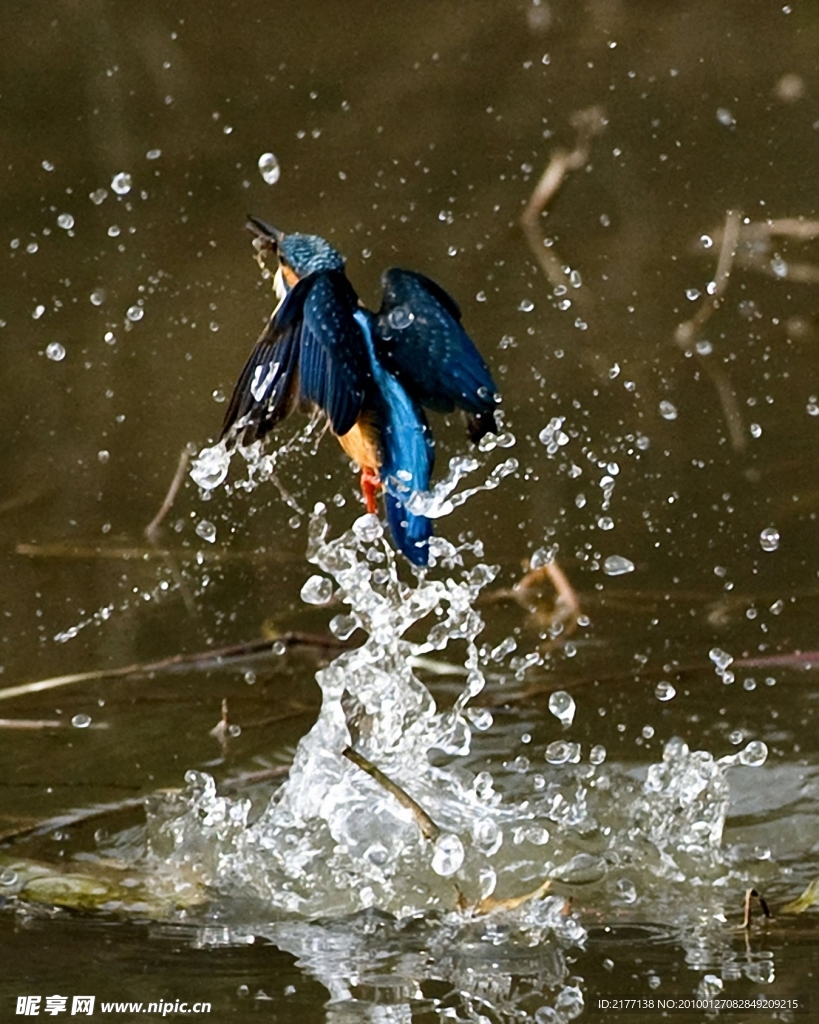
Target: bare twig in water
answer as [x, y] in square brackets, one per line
[755, 251]
[43, 826]
[221, 730]
[750, 895]
[152, 529]
[203, 659]
[31, 723]
[559, 617]
[588, 123]
[689, 333]
[429, 829]
[489, 904]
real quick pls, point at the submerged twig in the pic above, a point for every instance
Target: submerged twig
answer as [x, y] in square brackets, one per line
[202, 659]
[588, 123]
[689, 333]
[429, 829]
[490, 904]
[152, 529]
[750, 895]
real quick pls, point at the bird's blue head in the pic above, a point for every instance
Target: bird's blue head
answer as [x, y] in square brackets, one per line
[307, 254]
[298, 255]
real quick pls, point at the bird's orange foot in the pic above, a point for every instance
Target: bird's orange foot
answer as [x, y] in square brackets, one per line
[370, 486]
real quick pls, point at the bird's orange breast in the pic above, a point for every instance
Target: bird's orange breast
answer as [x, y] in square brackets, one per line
[361, 443]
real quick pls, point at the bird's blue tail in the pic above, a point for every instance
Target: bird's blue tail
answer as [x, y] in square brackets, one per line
[407, 456]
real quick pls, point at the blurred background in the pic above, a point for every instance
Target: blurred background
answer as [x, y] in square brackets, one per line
[410, 134]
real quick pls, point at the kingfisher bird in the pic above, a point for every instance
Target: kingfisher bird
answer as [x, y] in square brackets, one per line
[371, 374]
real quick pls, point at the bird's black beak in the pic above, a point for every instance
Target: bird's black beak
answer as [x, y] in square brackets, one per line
[265, 233]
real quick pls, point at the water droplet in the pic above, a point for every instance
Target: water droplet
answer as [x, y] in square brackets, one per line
[664, 691]
[317, 590]
[269, 167]
[206, 530]
[47, 165]
[562, 706]
[605, 523]
[725, 117]
[135, 313]
[103, 456]
[448, 856]
[722, 659]
[121, 183]
[526, 305]
[368, 528]
[400, 318]
[754, 754]
[617, 565]
[769, 539]
[98, 196]
[98, 296]
[597, 754]
[55, 351]
[66, 221]
[626, 890]
[113, 231]
[38, 312]
[562, 752]
[8, 877]
[211, 467]
[706, 241]
[704, 348]
[692, 294]
[668, 410]
[153, 154]
[81, 721]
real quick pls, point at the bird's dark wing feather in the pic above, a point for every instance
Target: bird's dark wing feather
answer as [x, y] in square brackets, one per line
[421, 341]
[266, 390]
[335, 367]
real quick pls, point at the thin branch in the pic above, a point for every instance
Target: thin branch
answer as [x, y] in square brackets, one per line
[688, 334]
[429, 829]
[152, 529]
[203, 659]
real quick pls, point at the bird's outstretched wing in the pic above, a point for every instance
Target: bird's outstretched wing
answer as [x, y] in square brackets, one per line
[335, 366]
[266, 391]
[421, 341]
[311, 350]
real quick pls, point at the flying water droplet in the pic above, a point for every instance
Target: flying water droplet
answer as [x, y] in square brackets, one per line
[55, 351]
[269, 167]
[769, 539]
[664, 691]
[65, 221]
[211, 467]
[448, 856]
[317, 590]
[754, 754]
[526, 305]
[206, 530]
[81, 721]
[98, 296]
[121, 183]
[98, 196]
[617, 565]
[562, 706]
[135, 313]
[668, 410]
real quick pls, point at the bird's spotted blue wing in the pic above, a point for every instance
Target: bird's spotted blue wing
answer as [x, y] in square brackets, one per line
[334, 369]
[266, 391]
[420, 340]
[407, 452]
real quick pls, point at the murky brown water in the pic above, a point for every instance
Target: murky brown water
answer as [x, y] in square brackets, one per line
[410, 135]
